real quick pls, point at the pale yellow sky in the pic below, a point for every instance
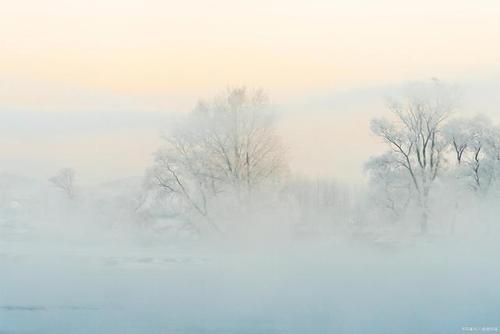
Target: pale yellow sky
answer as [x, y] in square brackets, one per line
[155, 47]
[151, 55]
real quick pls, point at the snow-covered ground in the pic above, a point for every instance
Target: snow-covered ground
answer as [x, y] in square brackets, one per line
[65, 285]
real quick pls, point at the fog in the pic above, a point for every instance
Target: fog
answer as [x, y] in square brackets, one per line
[244, 167]
[111, 136]
[101, 282]
[224, 232]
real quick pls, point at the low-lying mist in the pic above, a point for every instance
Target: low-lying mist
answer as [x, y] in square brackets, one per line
[220, 236]
[76, 270]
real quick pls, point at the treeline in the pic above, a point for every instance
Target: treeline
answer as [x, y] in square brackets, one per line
[438, 165]
[223, 170]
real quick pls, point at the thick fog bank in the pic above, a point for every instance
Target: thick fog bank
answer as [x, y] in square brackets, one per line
[314, 286]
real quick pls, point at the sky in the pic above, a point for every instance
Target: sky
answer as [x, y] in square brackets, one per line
[91, 84]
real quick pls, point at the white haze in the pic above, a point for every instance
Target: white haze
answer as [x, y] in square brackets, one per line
[76, 277]
[108, 137]
[313, 256]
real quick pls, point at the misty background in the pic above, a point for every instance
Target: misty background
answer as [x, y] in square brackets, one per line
[249, 167]
[111, 137]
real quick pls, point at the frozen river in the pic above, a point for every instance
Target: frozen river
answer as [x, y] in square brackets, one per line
[64, 288]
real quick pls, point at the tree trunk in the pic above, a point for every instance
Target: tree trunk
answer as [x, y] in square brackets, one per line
[424, 219]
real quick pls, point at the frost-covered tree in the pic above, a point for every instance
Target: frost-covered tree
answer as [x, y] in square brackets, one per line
[226, 145]
[64, 180]
[458, 135]
[415, 139]
[492, 151]
[475, 145]
[391, 189]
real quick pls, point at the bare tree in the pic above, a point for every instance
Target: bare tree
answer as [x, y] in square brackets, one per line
[475, 145]
[492, 150]
[227, 145]
[391, 189]
[477, 141]
[458, 135]
[414, 135]
[65, 181]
